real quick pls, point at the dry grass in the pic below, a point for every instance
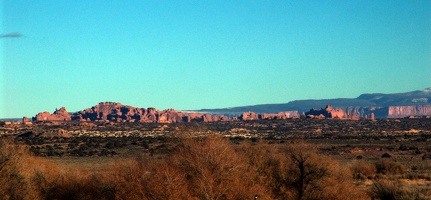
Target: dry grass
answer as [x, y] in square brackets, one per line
[389, 166]
[397, 190]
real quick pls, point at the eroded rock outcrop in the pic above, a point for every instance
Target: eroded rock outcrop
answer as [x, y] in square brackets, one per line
[328, 112]
[249, 116]
[281, 115]
[58, 115]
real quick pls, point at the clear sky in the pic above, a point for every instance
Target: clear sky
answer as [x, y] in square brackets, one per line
[208, 54]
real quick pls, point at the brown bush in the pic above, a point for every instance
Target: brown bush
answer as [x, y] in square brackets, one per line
[265, 163]
[339, 185]
[394, 190]
[139, 179]
[315, 176]
[78, 184]
[20, 172]
[23, 176]
[14, 184]
[297, 171]
[362, 168]
[389, 166]
[165, 181]
[127, 177]
[214, 170]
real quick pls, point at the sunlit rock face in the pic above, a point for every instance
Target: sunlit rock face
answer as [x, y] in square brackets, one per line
[328, 112]
[404, 111]
[58, 115]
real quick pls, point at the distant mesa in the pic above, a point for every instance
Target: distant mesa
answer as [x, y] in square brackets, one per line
[396, 105]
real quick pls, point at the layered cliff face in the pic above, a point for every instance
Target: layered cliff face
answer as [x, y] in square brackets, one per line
[390, 111]
[118, 112]
[404, 111]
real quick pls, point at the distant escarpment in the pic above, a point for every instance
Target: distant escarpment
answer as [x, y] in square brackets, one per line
[117, 112]
[397, 105]
[402, 111]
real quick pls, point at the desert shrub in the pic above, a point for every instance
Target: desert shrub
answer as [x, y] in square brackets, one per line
[403, 147]
[315, 176]
[76, 184]
[13, 183]
[297, 171]
[386, 155]
[339, 185]
[394, 190]
[209, 167]
[363, 167]
[165, 181]
[127, 178]
[265, 164]
[214, 170]
[19, 170]
[388, 166]
[155, 179]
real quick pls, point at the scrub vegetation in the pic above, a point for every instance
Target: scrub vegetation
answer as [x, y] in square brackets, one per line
[200, 162]
[210, 167]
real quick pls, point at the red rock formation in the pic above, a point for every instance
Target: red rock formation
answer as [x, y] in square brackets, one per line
[58, 115]
[248, 116]
[24, 120]
[42, 116]
[280, 115]
[117, 112]
[328, 112]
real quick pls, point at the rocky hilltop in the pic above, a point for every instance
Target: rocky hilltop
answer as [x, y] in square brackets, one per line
[117, 112]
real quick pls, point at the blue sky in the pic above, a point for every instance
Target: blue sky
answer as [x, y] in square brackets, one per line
[208, 54]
